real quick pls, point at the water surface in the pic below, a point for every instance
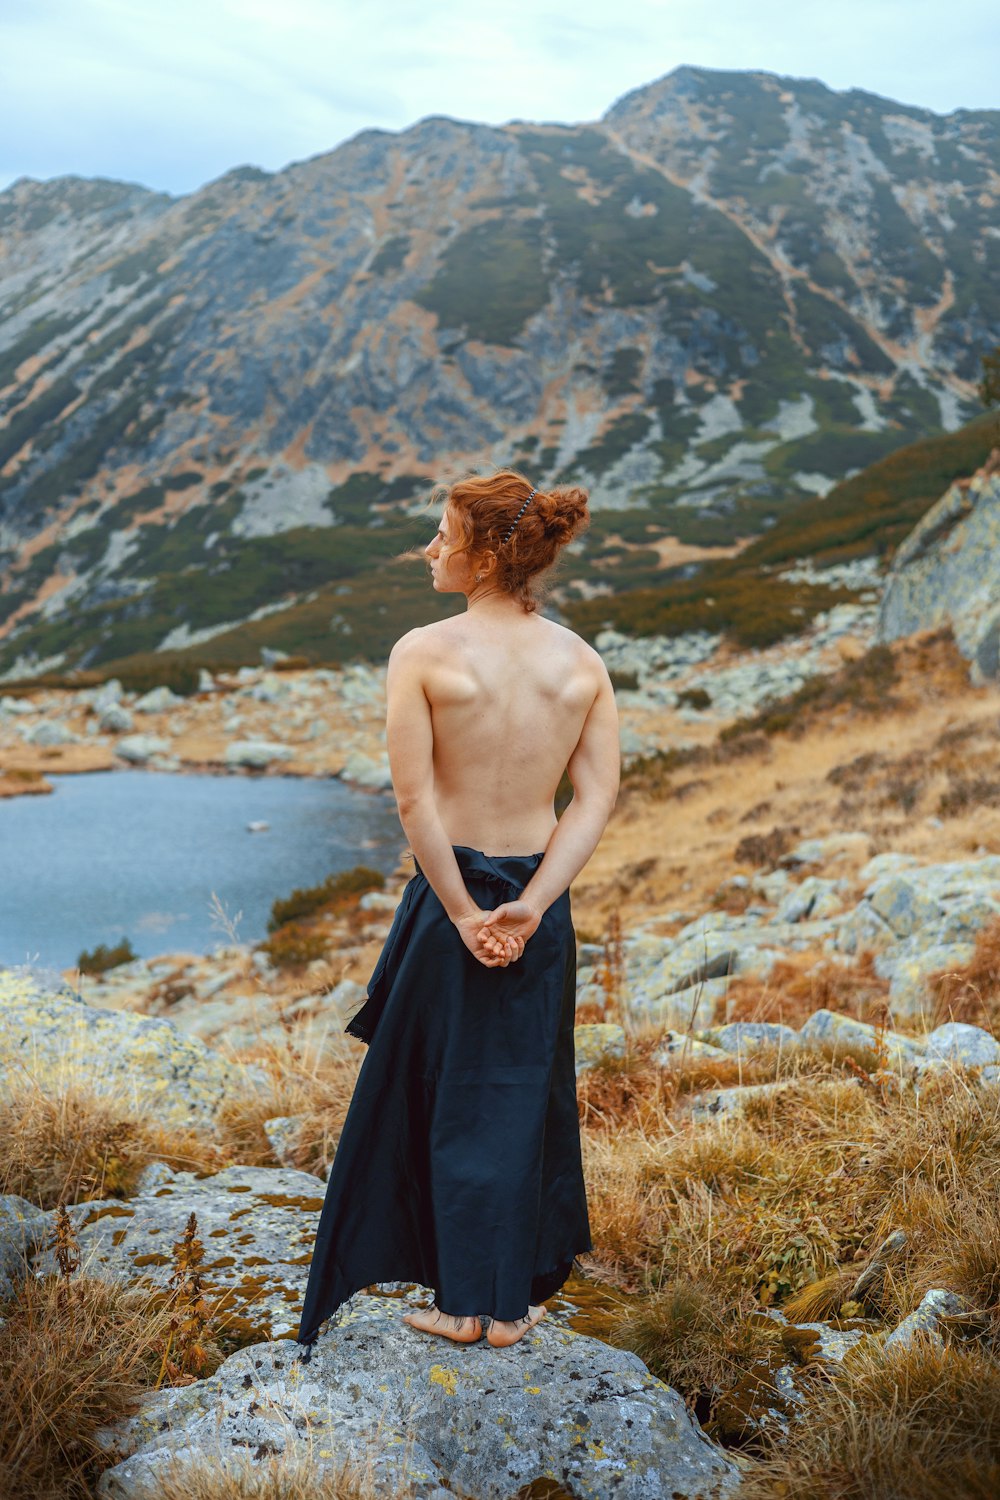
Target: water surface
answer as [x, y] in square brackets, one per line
[138, 854]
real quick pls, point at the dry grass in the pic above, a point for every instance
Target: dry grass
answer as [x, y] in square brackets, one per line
[899, 1427]
[275, 1478]
[74, 1143]
[972, 993]
[800, 984]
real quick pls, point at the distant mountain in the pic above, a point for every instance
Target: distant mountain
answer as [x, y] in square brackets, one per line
[733, 291]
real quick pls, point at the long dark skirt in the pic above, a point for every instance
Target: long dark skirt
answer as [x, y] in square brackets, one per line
[459, 1163]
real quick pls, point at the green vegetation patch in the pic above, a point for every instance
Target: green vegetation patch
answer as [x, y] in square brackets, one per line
[491, 280]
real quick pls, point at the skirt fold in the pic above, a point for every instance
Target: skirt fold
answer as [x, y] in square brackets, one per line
[459, 1163]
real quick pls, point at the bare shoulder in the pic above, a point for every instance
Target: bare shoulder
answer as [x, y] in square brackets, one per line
[579, 653]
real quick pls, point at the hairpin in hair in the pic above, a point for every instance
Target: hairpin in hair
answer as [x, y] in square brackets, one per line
[509, 532]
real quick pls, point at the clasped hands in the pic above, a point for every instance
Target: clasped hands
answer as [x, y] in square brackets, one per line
[497, 938]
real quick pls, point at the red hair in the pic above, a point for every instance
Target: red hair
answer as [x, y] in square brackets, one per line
[484, 507]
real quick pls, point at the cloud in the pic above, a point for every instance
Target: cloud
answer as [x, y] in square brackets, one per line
[175, 94]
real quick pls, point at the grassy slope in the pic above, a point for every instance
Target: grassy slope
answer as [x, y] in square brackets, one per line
[869, 513]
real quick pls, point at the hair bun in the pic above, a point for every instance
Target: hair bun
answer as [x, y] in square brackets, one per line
[565, 512]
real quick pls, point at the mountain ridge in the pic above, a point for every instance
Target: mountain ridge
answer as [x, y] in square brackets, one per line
[719, 299]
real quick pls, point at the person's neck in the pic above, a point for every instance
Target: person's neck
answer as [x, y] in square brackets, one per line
[490, 601]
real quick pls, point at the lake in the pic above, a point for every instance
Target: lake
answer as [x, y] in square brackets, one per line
[138, 854]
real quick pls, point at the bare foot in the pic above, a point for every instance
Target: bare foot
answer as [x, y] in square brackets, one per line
[502, 1335]
[448, 1325]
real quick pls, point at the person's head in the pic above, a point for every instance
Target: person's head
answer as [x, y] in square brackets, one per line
[476, 552]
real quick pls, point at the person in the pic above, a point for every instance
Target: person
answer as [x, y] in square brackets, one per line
[459, 1164]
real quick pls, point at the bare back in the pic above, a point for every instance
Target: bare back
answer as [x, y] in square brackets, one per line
[509, 699]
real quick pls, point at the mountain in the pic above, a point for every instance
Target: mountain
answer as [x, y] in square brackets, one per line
[220, 414]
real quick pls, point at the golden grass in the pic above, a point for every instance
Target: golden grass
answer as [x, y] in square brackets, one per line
[972, 993]
[897, 1426]
[280, 1477]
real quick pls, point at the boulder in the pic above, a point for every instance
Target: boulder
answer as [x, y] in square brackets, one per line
[679, 1049]
[957, 1042]
[50, 732]
[257, 1226]
[256, 754]
[144, 1061]
[23, 1228]
[115, 719]
[157, 701]
[484, 1423]
[828, 1027]
[596, 1041]
[138, 748]
[750, 1036]
[926, 1320]
[367, 771]
[947, 571]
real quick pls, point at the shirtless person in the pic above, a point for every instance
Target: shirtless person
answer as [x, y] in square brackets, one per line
[485, 710]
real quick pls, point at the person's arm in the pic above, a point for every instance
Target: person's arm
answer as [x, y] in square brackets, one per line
[595, 770]
[410, 743]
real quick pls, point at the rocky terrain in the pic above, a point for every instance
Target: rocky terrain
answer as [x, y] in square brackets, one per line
[788, 1072]
[220, 414]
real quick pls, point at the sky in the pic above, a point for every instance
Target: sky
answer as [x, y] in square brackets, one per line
[172, 93]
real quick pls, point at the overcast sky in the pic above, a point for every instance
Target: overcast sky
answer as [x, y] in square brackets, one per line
[172, 93]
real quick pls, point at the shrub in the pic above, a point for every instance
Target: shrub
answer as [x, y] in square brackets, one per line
[293, 945]
[336, 891]
[101, 958]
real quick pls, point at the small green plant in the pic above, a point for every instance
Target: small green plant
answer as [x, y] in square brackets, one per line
[100, 959]
[336, 891]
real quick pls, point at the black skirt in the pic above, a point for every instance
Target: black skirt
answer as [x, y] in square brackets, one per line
[459, 1163]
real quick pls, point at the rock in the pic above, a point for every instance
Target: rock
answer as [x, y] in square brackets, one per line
[257, 1226]
[596, 1041]
[153, 1175]
[484, 1423]
[50, 732]
[827, 1027]
[137, 748]
[115, 719]
[908, 972]
[750, 1036]
[969, 1045]
[682, 1010]
[947, 571]
[109, 692]
[23, 1228]
[378, 901]
[157, 701]
[823, 851]
[902, 905]
[926, 1320]
[283, 1133]
[679, 1049]
[143, 1059]
[364, 770]
[732, 1102]
[256, 754]
[813, 897]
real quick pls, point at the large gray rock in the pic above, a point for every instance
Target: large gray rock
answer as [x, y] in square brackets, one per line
[958, 1042]
[257, 1226]
[23, 1227]
[926, 1320]
[750, 1036]
[829, 1028]
[138, 748]
[46, 1028]
[485, 1422]
[256, 754]
[51, 732]
[947, 571]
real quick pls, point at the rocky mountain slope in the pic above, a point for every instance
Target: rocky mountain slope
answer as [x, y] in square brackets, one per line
[724, 296]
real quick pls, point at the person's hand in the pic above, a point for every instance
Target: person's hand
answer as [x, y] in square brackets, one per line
[515, 920]
[498, 951]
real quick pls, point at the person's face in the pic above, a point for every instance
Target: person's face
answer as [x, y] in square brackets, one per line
[452, 572]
